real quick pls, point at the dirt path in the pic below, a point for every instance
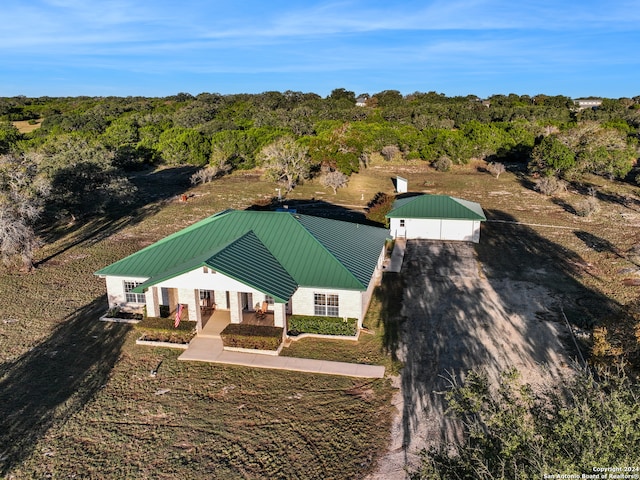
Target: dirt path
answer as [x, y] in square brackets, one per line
[458, 319]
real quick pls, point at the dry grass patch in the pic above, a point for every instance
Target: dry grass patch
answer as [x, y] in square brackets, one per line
[27, 126]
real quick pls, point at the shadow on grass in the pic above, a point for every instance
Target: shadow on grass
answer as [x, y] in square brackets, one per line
[318, 208]
[457, 315]
[596, 243]
[48, 384]
[154, 187]
[518, 252]
[389, 294]
[567, 207]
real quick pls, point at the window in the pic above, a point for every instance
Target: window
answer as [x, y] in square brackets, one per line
[133, 297]
[268, 299]
[325, 304]
[402, 222]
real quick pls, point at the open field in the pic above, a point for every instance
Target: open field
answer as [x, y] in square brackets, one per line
[24, 126]
[76, 394]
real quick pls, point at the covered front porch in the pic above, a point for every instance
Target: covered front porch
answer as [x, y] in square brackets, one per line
[215, 320]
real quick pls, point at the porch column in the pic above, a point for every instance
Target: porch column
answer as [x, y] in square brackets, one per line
[196, 308]
[221, 299]
[191, 298]
[279, 315]
[235, 307]
[151, 300]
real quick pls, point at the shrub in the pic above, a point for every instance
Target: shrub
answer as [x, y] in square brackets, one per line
[205, 175]
[165, 311]
[322, 325]
[389, 151]
[443, 164]
[550, 185]
[379, 207]
[256, 337]
[117, 312]
[496, 169]
[587, 207]
[515, 431]
[163, 330]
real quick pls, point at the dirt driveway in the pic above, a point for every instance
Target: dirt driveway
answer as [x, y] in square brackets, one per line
[456, 319]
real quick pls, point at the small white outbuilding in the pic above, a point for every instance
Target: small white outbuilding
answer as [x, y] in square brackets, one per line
[436, 217]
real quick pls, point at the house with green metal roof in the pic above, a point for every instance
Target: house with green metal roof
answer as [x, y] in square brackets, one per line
[240, 261]
[435, 217]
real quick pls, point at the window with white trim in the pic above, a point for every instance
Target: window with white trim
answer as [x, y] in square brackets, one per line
[402, 222]
[132, 297]
[326, 304]
[268, 299]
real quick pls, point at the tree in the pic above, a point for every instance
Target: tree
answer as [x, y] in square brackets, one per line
[389, 151]
[22, 194]
[9, 135]
[286, 161]
[552, 157]
[84, 177]
[388, 98]
[183, 145]
[343, 94]
[515, 432]
[496, 168]
[335, 180]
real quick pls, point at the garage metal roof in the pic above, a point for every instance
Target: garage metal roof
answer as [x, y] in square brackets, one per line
[273, 252]
[436, 206]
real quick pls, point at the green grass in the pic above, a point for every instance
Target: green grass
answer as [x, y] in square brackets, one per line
[205, 421]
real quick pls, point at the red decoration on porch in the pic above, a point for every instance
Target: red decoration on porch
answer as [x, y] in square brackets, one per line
[178, 315]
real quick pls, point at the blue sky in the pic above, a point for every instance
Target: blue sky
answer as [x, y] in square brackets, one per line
[455, 47]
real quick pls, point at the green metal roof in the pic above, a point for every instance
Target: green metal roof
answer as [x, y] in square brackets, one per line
[436, 206]
[273, 252]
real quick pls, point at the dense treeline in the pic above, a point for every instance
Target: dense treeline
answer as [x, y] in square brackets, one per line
[86, 145]
[234, 128]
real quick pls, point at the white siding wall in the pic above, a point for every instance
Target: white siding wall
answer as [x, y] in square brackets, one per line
[436, 229]
[350, 302]
[115, 290]
[197, 279]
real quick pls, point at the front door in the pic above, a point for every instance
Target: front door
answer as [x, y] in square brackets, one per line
[247, 301]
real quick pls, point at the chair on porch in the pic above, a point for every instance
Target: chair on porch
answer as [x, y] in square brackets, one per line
[262, 311]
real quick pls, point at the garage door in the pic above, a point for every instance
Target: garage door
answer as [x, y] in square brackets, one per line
[457, 230]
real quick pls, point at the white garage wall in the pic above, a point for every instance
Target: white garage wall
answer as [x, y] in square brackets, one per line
[436, 229]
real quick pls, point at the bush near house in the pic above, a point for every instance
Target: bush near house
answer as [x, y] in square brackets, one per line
[378, 207]
[163, 330]
[322, 325]
[256, 337]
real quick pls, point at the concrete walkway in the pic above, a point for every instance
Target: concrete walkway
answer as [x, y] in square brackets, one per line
[397, 255]
[210, 349]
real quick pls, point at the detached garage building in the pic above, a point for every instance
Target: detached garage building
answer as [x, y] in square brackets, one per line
[436, 217]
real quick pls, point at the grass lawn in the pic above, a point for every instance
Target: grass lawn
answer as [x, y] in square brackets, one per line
[76, 396]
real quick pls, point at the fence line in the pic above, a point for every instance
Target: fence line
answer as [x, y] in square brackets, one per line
[573, 337]
[531, 224]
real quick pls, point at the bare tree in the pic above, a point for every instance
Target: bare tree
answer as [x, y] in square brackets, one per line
[496, 169]
[286, 161]
[389, 151]
[22, 194]
[335, 180]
